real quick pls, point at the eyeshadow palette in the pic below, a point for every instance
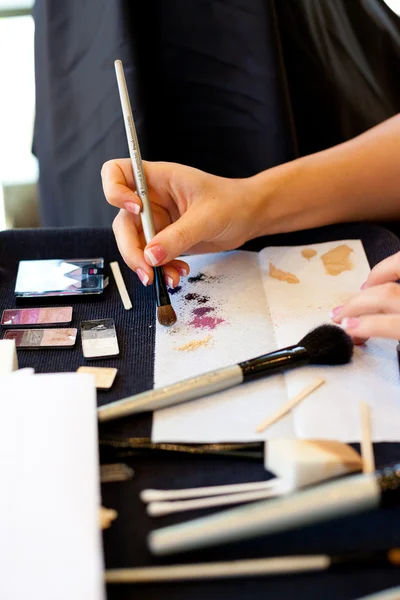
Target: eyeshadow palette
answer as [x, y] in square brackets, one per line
[30, 317]
[99, 338]
[42, 338]
[58, 277]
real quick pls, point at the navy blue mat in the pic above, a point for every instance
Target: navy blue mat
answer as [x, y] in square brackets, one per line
[125, 542]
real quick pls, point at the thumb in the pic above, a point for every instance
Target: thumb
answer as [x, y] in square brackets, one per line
[177, 238]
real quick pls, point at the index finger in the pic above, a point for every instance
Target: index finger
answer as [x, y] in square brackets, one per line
[385, 271]
[130, 247]
[118, 183]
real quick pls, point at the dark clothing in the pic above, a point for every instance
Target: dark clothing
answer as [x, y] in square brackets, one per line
[228, 86]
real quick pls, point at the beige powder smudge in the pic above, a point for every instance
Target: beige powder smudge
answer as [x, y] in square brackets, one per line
[308, 253]
[195, 344]
[282, 275]
[337, 260]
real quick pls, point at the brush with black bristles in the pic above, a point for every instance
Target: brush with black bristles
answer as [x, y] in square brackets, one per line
[325, 345]
[165, 312]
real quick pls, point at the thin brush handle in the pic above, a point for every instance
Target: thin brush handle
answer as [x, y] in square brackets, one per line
[238, 568]
[134, 152]
[208, 383]
[254, 567]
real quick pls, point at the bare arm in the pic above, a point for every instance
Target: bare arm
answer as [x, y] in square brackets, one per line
[354, 181]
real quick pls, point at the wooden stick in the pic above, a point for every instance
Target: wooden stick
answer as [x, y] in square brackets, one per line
[107, 516]
[123, 292]
[367, 447]
[283, 410]
[202, 492]
[236, 568]
[159, 509]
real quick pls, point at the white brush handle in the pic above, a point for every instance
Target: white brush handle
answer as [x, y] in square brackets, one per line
[201, 492]
[159, 509]
[195, 387]
[257, 567]
[134, 152]
[348, 496]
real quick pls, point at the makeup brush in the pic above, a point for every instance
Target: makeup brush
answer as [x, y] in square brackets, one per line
[320, 503]
[256, 567]
[165, 313]
[325, 345]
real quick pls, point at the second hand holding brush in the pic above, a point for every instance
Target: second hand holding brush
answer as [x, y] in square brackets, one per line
[165, 312]
[325, 345]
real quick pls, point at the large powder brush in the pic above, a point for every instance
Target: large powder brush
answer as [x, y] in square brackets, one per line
[325, 345]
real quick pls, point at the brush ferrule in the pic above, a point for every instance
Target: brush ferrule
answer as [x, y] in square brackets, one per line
[388, 480]
[274, 362]
[162, 296]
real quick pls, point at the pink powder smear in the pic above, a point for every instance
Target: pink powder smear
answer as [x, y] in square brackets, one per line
[204, 322]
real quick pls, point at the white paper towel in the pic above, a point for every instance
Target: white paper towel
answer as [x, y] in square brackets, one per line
[232, 282]
[260, 314]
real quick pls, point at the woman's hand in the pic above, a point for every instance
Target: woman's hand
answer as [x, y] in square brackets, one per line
[194, 212]
[375, 311]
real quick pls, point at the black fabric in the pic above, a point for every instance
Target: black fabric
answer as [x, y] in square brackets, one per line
[205, 86]
[125, 542]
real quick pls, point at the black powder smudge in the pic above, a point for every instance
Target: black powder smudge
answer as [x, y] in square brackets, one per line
[173, 291]
[201, 277]
[197, 298]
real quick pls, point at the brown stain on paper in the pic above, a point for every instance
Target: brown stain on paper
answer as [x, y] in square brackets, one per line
[282, 275]
[337, 260]
[195, 344]
[308, 253]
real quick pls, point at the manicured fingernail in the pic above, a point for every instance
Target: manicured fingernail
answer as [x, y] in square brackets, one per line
[350, 323]
[132, 207]
[364, 285]
[155, 254]
[182, 272]
[144, 278]
[170, 282]
[335, 312]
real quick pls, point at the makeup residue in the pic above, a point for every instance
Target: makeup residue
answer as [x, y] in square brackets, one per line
[308, 253]
[201, 277]
[195, 344]
[206, 322]
[337, 260]
[175, 290]
[282, 275]
[193, 297]
[202, 310]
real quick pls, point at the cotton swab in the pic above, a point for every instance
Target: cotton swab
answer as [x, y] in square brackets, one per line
[151, 495]
[160, 509]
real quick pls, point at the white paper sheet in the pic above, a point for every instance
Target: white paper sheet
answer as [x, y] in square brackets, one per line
[258, 321]
[332, 412]
[50, 541]
[234, 288]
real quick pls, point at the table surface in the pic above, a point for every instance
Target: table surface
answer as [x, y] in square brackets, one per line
[125, 541]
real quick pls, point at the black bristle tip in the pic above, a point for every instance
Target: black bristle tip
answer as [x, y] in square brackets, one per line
[328, 345]
[166, 315]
